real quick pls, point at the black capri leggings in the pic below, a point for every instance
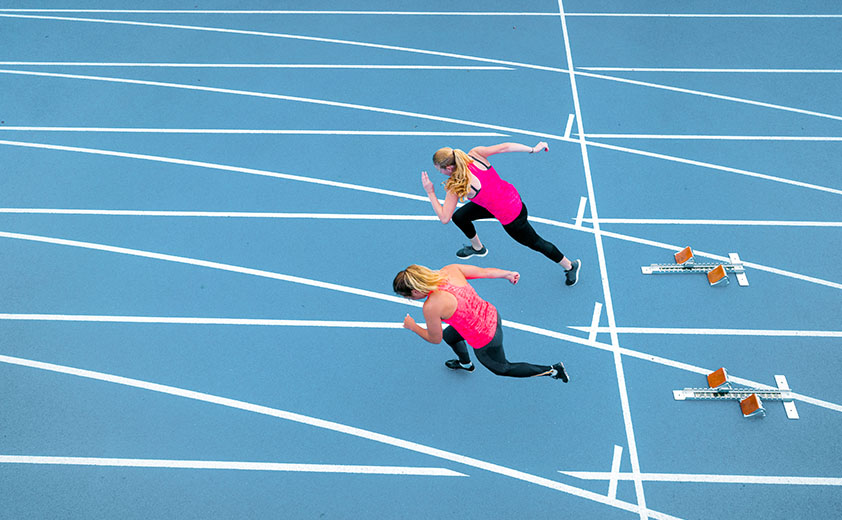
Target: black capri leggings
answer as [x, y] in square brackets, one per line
[520, 229]
[492, 356]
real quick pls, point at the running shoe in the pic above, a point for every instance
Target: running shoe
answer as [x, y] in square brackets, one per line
[468, 251]
[560, 372]
[454, 364]
[572, 274]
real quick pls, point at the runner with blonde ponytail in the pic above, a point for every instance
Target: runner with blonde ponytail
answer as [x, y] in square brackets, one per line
[471, 177]
[449, 298]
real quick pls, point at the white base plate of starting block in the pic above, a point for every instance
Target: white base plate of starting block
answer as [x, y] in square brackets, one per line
[741, 277]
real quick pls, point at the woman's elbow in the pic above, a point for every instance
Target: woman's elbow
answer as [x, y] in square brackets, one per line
[444, 220]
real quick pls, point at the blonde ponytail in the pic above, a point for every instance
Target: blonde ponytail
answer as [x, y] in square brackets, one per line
[419, 278]
[459, 182]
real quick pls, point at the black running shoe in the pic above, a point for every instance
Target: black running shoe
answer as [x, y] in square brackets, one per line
[468, 251]
[573, 273]
[454, 364]
[560, 372]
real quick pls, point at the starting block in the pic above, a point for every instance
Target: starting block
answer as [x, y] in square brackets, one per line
[751, 404]
[685, 263]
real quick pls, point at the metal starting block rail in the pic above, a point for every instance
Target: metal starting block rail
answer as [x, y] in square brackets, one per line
[751, 399]
[717, 274]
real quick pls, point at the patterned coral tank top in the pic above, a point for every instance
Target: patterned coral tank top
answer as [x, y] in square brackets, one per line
[475, 319]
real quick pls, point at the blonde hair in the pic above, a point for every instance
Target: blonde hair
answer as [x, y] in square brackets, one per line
[459, 182]
[417, 277]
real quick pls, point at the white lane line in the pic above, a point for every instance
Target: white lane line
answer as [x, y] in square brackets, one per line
[213, 166]
[421, 13]
[237, 131]
[569, 127]
[189, 320]
[211, 265]
[229, 465]
[711, 479]
[686, 69]
[717, 222]
[390, 325]
[212, 214]
[609, 306]
[712, 95]
[715, 332]
[688, 137]
[615, 471]
[597, 311]
[580, 214]
[282, 97]
[247, 65]
[713, 167]
[327, 425]
[284, 36]
[425, 52]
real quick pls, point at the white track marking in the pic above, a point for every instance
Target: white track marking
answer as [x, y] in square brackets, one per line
[711, 479]
[187, 320]
[226, 131]
[229, 465]
[282, 97]
[246, 65]
[609, 306]
[713, 167]
[615, 471]
[426, 52]
[419, 13]
[284, 36]
[327, 425]
[597, 311]
[390, 325]
[583, 202]
[213, 214]
[569, 127]
[716, 332]
[685, 137]
[213, 166]
[712, 95]
[211, 265]
[716, 222]
[729, 71]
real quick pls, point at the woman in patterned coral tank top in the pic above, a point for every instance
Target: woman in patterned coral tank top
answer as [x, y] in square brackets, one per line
[471, 177]
[449, 298]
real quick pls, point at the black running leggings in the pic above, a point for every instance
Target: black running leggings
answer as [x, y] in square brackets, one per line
[492, 356]
[520, 229]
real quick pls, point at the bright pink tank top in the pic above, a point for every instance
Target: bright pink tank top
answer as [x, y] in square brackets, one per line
[475, 319]
[496, 195]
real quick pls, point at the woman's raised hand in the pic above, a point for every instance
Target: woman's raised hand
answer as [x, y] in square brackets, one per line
[541, 147]
[427, 183]
[513, 276]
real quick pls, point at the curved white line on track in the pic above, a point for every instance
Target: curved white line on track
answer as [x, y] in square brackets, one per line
[230, 465]
[327, 425]
[710, 479]
[288, 37]
[422, 13]
[434, 53]
[335, 104]
[253, 171]
[418, 115]
[244, 131]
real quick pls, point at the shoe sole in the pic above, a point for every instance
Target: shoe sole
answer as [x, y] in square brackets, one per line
[575, 280]
[566, 377]
[469, 256]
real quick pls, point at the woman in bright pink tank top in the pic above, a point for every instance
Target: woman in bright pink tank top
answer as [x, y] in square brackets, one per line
[471, 177]
[449, 298]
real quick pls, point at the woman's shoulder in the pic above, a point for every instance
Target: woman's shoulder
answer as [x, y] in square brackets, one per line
[454, 275]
